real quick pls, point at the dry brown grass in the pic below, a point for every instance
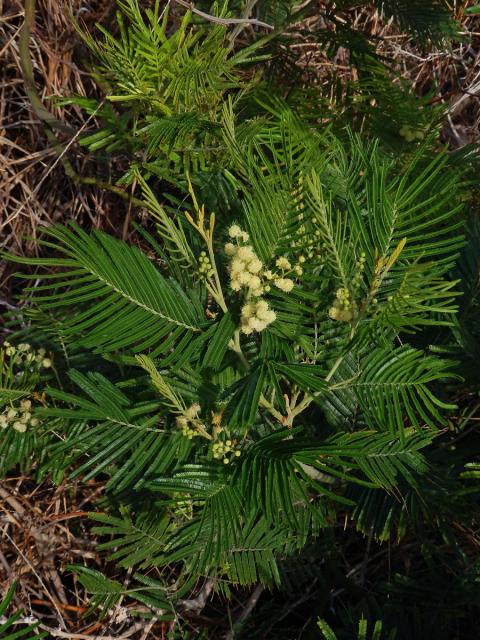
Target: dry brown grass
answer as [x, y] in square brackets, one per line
[451, 75]
[34, 190]
[42, 529]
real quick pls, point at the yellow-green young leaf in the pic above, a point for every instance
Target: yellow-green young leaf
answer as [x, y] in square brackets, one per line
[326, 630]
[160, 383]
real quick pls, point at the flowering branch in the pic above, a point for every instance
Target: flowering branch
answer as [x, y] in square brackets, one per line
[209, 266]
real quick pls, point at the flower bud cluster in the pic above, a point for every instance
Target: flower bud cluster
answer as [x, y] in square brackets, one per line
[222, 451]
[24, 355]
[342, 308]
[307, 241]
[358, 275]
[186, 421]
[410, 134]
[205, 268]
[19, 417]
[303, 239]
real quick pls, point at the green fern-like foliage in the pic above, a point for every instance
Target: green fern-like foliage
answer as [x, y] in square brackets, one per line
[164, 88]
[363, 631]
[236, 410]
[282, 349]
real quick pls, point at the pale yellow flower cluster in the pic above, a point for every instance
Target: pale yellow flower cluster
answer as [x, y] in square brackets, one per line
[19, 417]
[245, 266]
[280, 280]
[247, 270]
[237, 233]
[256, 316]
[341, 308]
[248, 273]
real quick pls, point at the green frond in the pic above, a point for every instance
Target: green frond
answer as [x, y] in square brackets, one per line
[379, 457]
[109, 433]
[340, 406]
[419, 205]
[409, 238]
[339, 249]
[138, 542]
[296, 312]
[202, 539]
[393, 388]
[362, 631]
[366, 458]
[219, 341]
[308, 377]
[269, 477]
[116, 297]
[386, 516]
[244, 396]
[104, 592]
[170, 230]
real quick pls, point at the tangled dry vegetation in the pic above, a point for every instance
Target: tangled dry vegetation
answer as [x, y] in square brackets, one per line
[42, 531]
[42, 527]
[34, 190]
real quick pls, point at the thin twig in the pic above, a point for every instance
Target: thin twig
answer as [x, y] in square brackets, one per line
[239, 28]
[27, 562]
[247, 610]
[224, 21]
[57, 633]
